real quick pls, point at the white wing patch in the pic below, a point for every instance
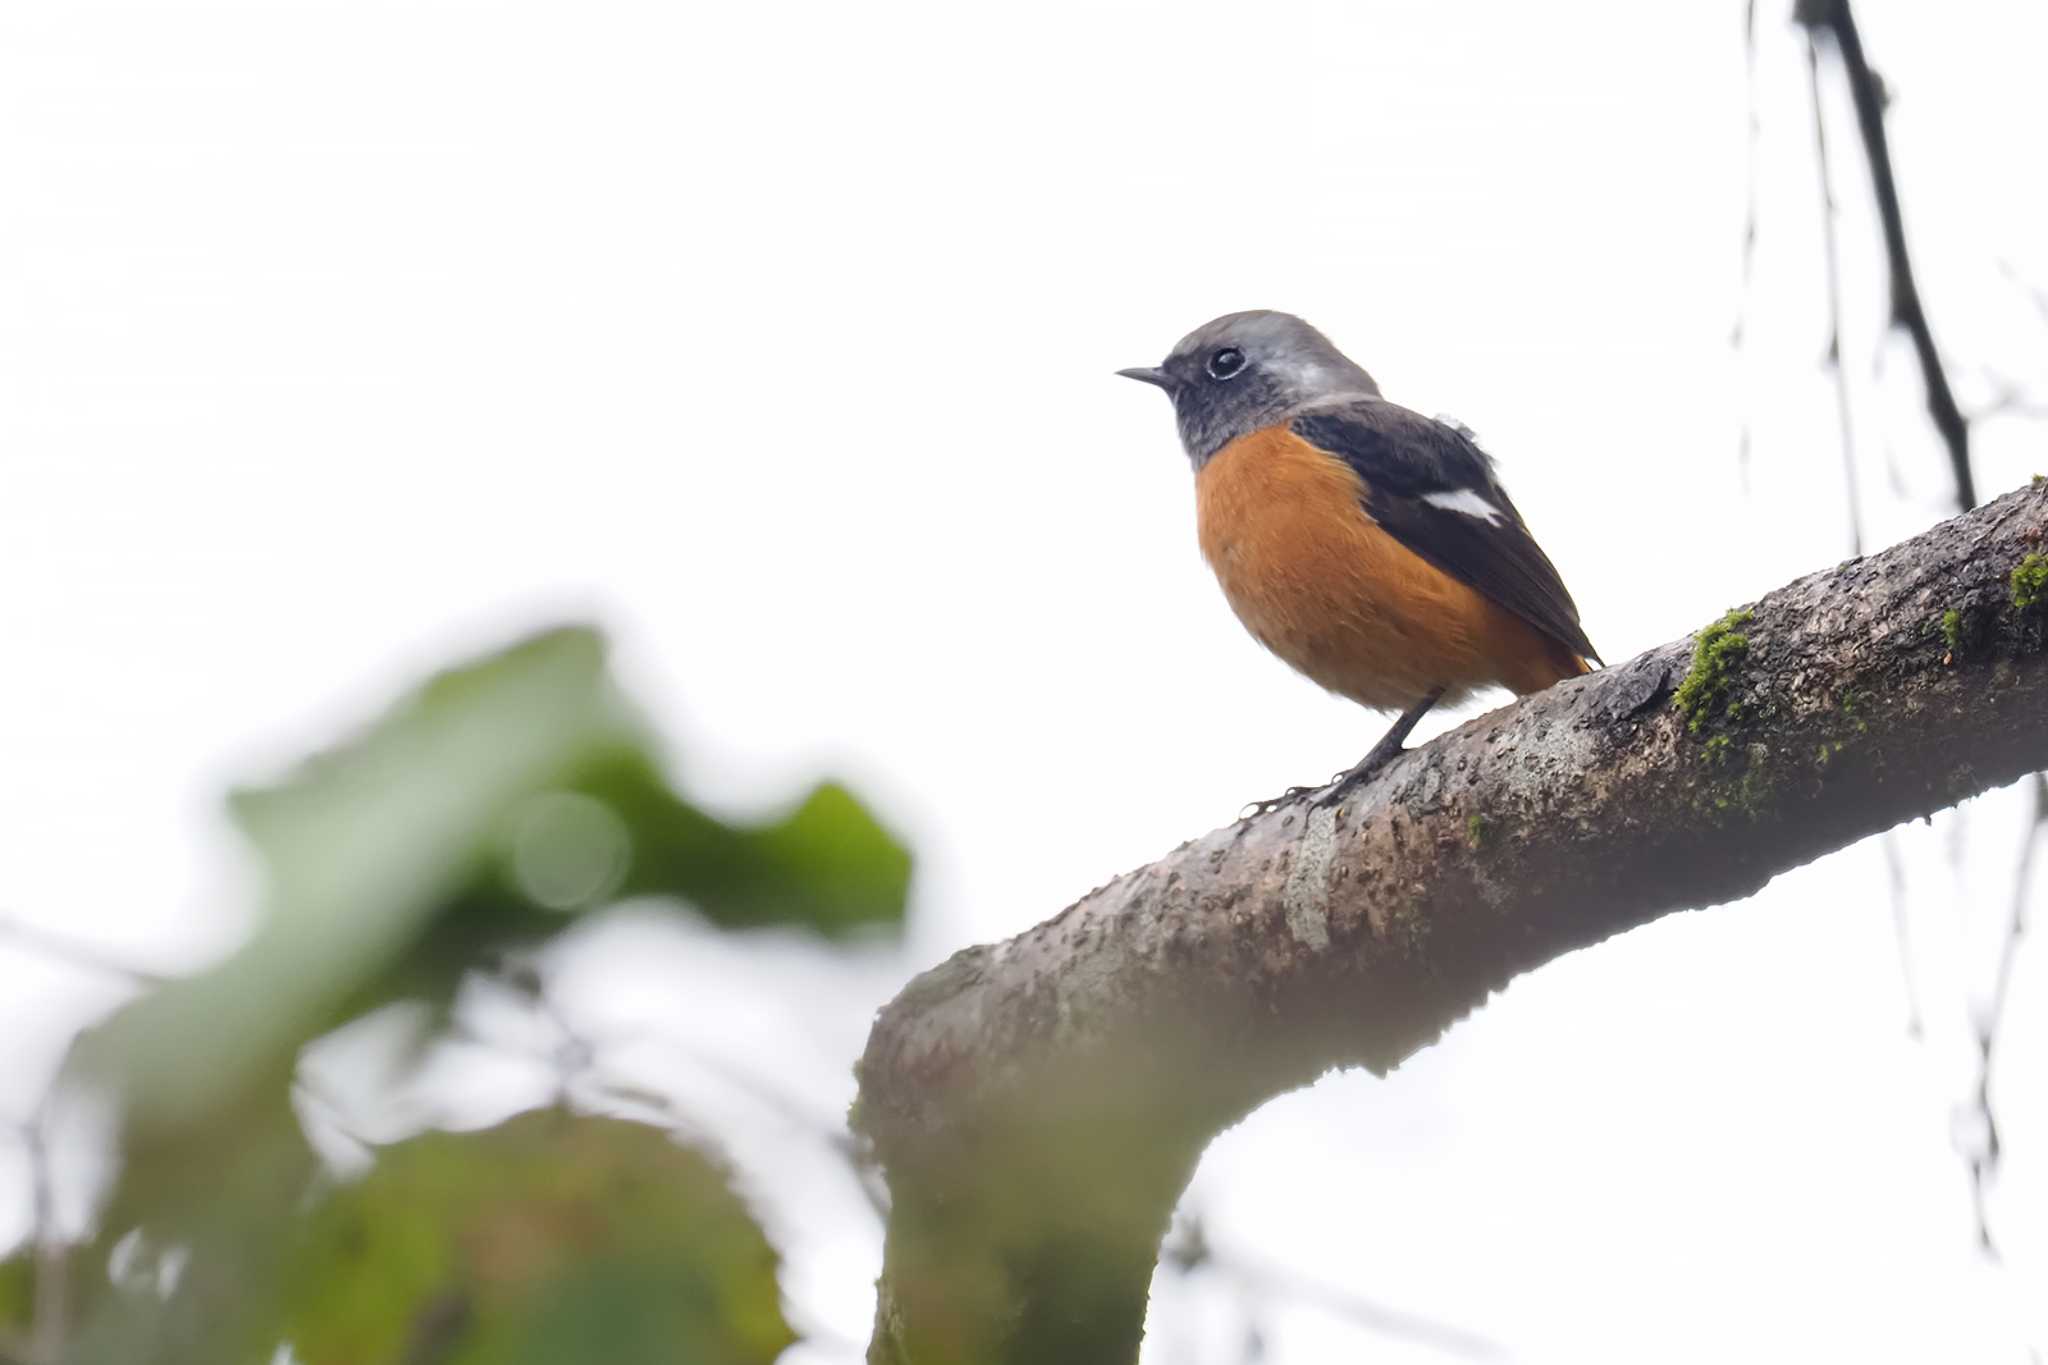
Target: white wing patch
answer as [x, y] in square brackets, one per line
[1467, 502]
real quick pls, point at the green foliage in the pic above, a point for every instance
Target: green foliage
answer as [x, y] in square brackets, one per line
[499, 795]
[2030, 582]
[485, 809]
[1717, 654]
[1952, 630]
[827, 865]
[550, 1238]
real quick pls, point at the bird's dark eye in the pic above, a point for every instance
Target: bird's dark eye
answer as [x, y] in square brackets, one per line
[1226, 363]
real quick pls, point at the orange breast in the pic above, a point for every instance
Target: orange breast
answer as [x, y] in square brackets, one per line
[1315, 580]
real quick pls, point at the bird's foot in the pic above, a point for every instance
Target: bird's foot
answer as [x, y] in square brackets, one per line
[1273, 803]
[1344, 783]
[1368, 768]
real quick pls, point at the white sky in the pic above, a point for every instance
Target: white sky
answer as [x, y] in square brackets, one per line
[336, 339]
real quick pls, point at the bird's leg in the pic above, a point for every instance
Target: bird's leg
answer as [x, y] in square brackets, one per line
[1383, 753]
[1338, 787]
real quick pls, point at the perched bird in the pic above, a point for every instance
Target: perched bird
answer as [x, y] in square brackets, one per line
[1370, 547]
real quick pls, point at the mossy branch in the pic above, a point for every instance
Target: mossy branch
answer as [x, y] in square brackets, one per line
[1038, 1104]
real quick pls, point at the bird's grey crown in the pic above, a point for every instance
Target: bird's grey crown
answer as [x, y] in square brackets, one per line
[1289, 365]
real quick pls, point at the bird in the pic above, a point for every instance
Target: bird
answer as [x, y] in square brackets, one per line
[1371, 548]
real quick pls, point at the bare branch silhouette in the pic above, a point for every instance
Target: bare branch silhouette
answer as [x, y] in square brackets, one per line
[1868, 93]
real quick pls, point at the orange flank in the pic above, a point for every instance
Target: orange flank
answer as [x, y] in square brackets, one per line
[1318, 582]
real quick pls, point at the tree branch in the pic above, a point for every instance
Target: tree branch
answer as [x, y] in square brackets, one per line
[1037, 1105]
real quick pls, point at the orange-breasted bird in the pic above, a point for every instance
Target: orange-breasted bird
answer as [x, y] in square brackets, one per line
[1370, 547]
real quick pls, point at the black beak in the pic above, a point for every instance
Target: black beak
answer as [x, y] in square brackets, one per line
[1147, 376]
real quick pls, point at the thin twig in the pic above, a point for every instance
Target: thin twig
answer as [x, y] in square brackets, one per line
[1355, 1308]
[2012, 405]
[2034, 292]
[830, 1132]
[1984, 1162]
[2010, 399]
[577, 1057]
[1189, 1249]
[1867, 90]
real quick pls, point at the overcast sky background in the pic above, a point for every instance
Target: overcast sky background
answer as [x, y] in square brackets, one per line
[338, 339]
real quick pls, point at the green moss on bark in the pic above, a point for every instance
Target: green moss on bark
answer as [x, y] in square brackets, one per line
[1717, 656]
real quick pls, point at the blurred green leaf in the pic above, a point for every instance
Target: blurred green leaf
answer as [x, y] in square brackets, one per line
[361, 846]
[828, 865]
[497, 797]
[550, 1238]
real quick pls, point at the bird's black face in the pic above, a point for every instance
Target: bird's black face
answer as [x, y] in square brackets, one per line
[1223, 392]
[1245, 371]
[1219, 392]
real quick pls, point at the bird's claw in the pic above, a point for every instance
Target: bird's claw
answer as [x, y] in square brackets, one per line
[1273, 803]
[1345, 783]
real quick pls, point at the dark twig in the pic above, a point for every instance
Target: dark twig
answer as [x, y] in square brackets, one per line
[1867, 90]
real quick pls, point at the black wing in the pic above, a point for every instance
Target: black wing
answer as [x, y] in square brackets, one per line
[1434, 490]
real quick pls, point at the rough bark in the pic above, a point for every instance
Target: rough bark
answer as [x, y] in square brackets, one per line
[1037, 1105]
